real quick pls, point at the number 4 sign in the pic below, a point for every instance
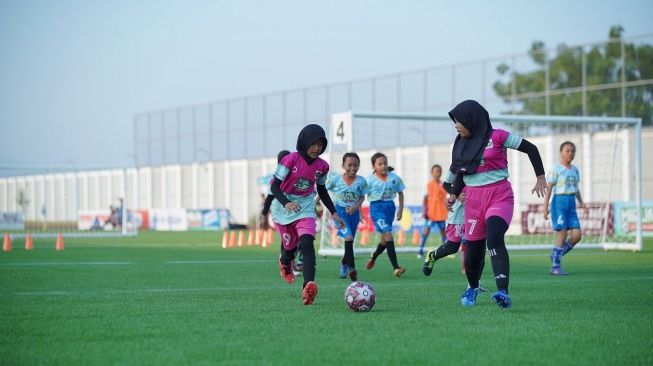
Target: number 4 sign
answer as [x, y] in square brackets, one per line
[341, 129]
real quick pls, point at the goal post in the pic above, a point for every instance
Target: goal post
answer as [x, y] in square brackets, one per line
[608, 154]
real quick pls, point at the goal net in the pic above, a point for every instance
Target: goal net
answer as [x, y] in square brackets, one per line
[73, 204]
[608, 156]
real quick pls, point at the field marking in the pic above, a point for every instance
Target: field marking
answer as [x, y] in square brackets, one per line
[64, 263]
[224, 261]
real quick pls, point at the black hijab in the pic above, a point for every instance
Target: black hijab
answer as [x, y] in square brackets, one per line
[307, 137]
[467, 152]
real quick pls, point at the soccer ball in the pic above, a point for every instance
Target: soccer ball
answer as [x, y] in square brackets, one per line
[360, 296]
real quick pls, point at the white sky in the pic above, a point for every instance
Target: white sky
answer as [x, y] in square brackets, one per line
[74, 73]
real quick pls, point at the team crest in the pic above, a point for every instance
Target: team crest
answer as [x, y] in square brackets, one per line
[318, 174]
[302, 184]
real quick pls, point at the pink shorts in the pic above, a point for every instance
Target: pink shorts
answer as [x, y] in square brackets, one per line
[290, 233]
[455, 232]
[482, 202]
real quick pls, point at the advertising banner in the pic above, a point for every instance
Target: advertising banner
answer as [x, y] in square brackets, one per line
[12, 221]
[214, 219]
[591, 222]
[625, 218]
[168, 219]
[92, 219]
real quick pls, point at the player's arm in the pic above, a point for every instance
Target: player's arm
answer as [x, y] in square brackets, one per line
[547, 198]
[401, 205]
[356, 206]
[323, 193]
[536, 160]
[275, 188]
[425, 207]
[580, 200]
[267, 204]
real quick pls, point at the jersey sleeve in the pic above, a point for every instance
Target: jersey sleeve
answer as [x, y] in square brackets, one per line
[511, 141]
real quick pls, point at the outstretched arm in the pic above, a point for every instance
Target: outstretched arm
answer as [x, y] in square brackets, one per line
[536, 160]
[328, 203]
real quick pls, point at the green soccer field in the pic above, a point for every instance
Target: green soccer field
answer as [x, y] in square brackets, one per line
[178, 298]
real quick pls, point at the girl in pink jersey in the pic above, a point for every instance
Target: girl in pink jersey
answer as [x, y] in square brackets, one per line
[480, 160]
[293, 209]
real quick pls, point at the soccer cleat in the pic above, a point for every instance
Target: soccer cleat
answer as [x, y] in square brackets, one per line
[558, 271]
[343, 271]
[353, 274]
[309, 293]
[502, 299]
[286, 271]
[370, 263]
[399, 271]
[429, 262]
[469, 296]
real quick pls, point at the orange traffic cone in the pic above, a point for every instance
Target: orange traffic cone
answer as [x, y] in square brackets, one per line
[6, 244]
[401, 237]
[270, 236]
[264, 242]
[59, 245]
[259, 237]
[241, 238]
[250, 238]
[365, 237]
[232, 239]
[416, 237]
[28, 242]
[225, 241]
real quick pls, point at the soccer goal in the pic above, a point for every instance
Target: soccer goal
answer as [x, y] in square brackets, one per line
[73, 204]
[608, 155]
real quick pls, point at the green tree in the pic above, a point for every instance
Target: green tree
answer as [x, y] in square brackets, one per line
[603, 79]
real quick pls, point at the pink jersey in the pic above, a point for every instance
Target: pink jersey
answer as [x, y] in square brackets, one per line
[494, 164]
[298, 178]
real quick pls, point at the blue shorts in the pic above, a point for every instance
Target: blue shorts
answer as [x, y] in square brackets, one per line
[351, 222]
[436, 224]
[563, 212]
[382, 214]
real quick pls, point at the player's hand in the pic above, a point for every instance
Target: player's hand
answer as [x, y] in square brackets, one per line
[341, 224]
[584, 207]
[399, 214]
[264, 219]
[462, 198]
[545, 212]
[540, 186]
[292, 207]
[351, 209]
[449, 203]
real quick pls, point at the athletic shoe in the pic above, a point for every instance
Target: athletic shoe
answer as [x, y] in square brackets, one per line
[286, 271]
[558, 271]
[343, 271]
[469, 296]
[370, 264]
[399, 271]
[429, 262]
[309, 293]
[502, 299]
[353, 274]
[420, 256]
[481, 288]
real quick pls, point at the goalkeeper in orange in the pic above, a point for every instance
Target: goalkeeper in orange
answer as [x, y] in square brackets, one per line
[434, 209]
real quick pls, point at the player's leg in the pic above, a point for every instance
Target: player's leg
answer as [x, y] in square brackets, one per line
[352, 224]
[305, 228]
[454, 233]
[425, 235]
[380, 225]
[496, 231]
[473, 262]
[288, 245]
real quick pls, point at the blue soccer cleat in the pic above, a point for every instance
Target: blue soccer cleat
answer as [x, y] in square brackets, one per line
[344, 271]
[502, 299]
[469, 296]
[557, 271]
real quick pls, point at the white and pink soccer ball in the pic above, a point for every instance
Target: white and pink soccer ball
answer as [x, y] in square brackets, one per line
[360, 296]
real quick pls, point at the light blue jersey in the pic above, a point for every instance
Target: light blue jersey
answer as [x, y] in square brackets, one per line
[387, 190]
[457, 216]
[565, 181]
[346, 195]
